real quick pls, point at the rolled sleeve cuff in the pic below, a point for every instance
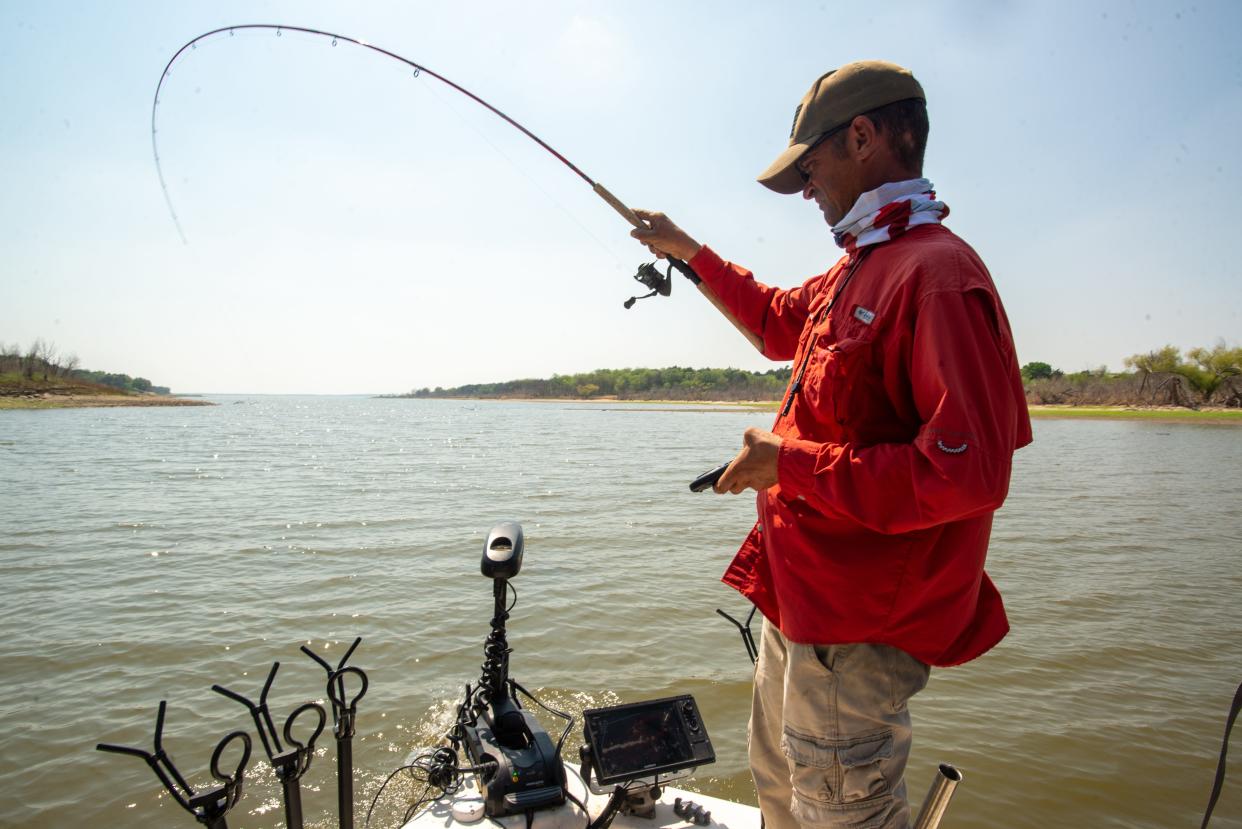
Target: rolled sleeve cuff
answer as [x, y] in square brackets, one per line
[795, 467]
[708, 265]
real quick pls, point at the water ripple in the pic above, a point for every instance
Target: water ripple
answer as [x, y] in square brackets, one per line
[150, 553]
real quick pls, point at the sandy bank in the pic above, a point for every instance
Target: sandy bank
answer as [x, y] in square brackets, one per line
[77, 401]
[1160, 413]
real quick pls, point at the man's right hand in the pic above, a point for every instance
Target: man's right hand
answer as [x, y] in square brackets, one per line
[663, 238]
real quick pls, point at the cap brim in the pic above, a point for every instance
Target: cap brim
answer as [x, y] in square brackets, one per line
[782, 176]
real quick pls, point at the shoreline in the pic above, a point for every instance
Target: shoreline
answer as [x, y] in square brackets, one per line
[84, 401]
[1171, 414]
[706, 405]
[1167, 414]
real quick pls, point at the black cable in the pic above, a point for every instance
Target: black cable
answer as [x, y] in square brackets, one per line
[440, 773]
[615, 801]
[416, 805]
[578, 774]
[496, 652]
[568, 718]
[384, 785]
[579, 804]
[1224, 750]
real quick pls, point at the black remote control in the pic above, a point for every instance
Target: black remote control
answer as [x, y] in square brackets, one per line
[708, 479]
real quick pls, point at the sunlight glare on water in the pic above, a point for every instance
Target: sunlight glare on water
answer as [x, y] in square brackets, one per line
[153, 552]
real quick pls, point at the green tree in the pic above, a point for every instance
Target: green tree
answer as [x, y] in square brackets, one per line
[1165, 360]
[1209, 369]
[1036, 371]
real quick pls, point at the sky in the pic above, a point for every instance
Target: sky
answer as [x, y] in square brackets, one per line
[352, 228]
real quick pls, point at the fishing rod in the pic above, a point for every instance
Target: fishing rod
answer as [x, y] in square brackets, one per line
[647, 274]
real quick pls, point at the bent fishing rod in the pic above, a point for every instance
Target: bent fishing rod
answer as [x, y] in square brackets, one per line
[647, 274]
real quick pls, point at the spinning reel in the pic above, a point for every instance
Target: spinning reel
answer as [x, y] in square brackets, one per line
[650, 277]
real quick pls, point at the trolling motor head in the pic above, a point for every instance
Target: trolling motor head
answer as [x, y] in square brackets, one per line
[659, 283]
[502, 552]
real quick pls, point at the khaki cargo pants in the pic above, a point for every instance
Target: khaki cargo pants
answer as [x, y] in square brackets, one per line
[830, 733]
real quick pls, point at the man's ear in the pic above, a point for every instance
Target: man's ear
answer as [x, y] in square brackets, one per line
[863, 139]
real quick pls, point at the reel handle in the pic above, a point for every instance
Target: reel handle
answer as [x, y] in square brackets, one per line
[686, 271]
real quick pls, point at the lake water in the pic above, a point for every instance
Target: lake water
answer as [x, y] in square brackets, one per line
[148, 553]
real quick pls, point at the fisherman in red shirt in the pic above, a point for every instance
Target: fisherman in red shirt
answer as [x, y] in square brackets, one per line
[890, 453]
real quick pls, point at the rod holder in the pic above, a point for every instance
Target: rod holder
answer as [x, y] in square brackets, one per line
[938, 797]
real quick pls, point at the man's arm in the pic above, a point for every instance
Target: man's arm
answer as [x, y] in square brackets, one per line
[774, 315]
[958, 464]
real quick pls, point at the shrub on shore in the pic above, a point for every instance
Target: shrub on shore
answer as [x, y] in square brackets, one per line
[672, 383]
[1164, 377]
[42, 363]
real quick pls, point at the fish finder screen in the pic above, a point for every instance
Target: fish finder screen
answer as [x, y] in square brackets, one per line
[638, 741]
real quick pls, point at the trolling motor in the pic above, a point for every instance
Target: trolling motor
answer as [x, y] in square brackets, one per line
[526, 768]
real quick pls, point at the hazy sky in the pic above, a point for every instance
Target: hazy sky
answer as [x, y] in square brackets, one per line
[352, 228]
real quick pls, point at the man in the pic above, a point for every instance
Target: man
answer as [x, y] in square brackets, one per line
[890, 453]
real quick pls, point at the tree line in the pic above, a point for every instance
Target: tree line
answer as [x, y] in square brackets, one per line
[1164, 377]
[1167, 376]
[43, 361]
[672, 383]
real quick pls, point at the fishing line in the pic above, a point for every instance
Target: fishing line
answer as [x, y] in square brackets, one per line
[647, 276]
[418, 70]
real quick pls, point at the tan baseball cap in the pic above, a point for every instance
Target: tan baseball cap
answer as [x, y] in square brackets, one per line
[833, 101]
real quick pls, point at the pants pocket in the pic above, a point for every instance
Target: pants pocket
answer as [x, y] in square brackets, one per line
[812, 766]
[841, 770]
[840, 782]
[862, 766]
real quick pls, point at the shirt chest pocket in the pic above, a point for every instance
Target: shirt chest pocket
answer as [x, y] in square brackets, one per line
[837, 374]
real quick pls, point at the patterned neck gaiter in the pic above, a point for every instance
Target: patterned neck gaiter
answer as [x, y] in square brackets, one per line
[887, 212]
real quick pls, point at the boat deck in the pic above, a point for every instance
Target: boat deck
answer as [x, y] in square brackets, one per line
[725, 814]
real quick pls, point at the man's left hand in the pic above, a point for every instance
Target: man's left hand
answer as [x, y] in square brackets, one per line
[755, 466]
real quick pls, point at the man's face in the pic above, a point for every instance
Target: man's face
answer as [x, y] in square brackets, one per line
[831, 177]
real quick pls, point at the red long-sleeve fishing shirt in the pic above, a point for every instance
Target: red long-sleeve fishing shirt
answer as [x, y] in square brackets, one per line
[896, 450]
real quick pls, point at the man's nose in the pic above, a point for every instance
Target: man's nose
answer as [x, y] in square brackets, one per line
[808, 190]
